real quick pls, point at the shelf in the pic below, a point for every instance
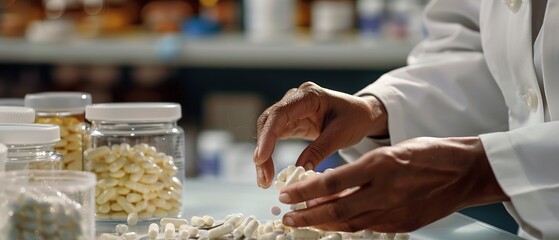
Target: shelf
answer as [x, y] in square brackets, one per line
[233, 51]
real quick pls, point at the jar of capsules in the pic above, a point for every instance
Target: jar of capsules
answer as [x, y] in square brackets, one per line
[31, 146]
[137, 152]
[65, 109]
[47, 204]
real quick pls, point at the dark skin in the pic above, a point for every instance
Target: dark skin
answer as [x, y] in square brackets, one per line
[391, 189]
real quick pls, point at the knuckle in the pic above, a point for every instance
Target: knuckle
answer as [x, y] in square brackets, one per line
[307, 84]
[316, 152]
[335, 211]
[330, 184]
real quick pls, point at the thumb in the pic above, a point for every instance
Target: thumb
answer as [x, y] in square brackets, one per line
[323, 146]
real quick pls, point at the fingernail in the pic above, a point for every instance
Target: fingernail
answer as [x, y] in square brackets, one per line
[255, 155]
[261, 177]
[288, 221]
[309, 166]
[284, 198]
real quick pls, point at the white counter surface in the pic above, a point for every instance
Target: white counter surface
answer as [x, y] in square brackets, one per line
[218, 199]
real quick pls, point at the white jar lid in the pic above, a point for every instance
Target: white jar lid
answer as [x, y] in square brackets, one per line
[58, 101]
[134, 112]
[29, 133]
[10, 114]
[3, 157]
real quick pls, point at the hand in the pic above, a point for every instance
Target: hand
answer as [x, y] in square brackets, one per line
[396, 189]
[332, 119]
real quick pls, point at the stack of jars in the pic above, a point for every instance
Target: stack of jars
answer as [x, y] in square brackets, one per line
[67, 163]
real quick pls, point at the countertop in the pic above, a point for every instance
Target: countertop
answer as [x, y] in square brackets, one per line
[218, 199]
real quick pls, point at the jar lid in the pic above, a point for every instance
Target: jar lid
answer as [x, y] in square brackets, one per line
[12, 102]
[134, 112]
[10, 114]
[29, 133]
[57, 101]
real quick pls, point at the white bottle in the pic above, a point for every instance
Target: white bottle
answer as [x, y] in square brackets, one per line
[371, 17]
[405, 19]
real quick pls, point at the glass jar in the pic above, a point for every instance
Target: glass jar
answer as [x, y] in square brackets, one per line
[47, 204]
[137, 152]
[31, 146]
[67, 110]
[10, 114]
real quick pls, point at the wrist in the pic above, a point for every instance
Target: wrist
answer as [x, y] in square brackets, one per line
[378, 115]
[482, 185]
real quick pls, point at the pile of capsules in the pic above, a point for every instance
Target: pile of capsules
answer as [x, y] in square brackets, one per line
[71, 139]
[134, 182]
[35, 215]
[237, 226]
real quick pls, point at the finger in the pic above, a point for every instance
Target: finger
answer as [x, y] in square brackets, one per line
[328, 142]
[344, 207]
[296, 106]
[341, 178]
[265, 174]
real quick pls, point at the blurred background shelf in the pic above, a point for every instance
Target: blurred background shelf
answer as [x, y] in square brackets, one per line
[220, 51]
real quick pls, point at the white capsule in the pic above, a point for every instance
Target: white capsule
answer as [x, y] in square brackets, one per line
[169, 230]
[304, 233]
[121, 228]
[95, 153]
[153, 231]
[235, 220]
[130, 236]
[278, 185]
[294, 177]
[250, 228]
[268, 236]
[193, 231]
[224, 229]
[178, 222]
[332, 236]
[108, 236]
[184, 234]
[238, 232]
[132, 218]
[297, 206]
[268, 227]
[197, 221]
[208, 220]
[128, 207]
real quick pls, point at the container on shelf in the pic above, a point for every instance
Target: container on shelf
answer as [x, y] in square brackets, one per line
[13, 114]
[331, 19]
[371, 18]
[47, 204]
[67, 110]
[269, 20]
[31, 146]
[137, 152]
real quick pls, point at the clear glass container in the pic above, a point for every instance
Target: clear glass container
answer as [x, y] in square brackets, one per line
[12, 114]
[137, 153]
[67, 110]
[47, 204]
[31, 146]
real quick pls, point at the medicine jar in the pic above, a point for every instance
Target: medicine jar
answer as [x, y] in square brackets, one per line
[11, 114]
[137, 152]
[67, 110]
[47, 204]
[31, 146]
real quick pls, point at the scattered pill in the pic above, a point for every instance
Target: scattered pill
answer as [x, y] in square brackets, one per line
[275, 210]
[121, 228]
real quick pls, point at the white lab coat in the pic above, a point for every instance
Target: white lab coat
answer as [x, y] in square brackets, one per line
[474, 75]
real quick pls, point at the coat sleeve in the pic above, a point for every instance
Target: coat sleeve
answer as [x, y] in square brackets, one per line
[446, 89]
[525, 162]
